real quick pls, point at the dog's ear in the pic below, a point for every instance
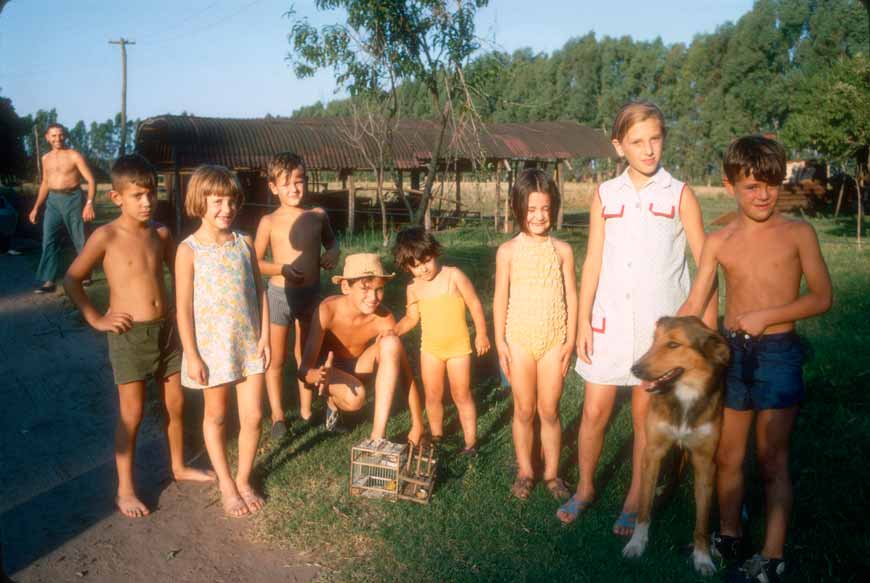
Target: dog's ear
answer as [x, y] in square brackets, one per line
[716, 350]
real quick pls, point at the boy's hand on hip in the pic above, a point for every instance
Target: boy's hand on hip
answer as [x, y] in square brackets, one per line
[481, 344]
[565, 353]
[197, 370]
[323, 374]
[117, 322]
[584, 342]
[753, 323]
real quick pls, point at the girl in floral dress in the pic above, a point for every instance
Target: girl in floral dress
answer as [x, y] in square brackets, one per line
[223, 321]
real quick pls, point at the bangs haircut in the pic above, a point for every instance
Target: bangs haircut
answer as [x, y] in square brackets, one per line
[283, 163]
[633, 113]
[414, 244]
[529, 181]
[756, 156]
[211, 180]
[133, 169]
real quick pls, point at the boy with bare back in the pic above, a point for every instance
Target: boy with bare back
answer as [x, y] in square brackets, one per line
[140, 324]
[63, 170]
[352, 335]
[294, 235]
[764, 256]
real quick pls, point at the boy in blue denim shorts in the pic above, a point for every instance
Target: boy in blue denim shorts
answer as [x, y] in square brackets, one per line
[764, 256]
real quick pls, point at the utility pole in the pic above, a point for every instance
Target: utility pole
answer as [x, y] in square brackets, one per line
[123, 42]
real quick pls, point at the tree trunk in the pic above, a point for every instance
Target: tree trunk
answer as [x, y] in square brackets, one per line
[384, 227]
[433, 165]
[400, 188]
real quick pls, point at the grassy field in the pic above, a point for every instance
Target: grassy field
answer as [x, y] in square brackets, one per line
[473, 530]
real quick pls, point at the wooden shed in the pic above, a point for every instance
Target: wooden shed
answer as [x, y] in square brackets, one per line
[176, 145]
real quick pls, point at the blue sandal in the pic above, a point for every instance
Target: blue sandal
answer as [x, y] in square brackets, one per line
[573, 508]
[625, 520]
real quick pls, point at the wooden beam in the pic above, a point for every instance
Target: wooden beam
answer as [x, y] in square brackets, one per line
[497, 207]
[351, 202]
[560, 185]
[458, 189]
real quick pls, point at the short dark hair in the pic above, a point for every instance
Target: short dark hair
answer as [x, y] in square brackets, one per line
[414, 244]
[54, 125]
[529, 181]
[757, 156]
[133, 169]
[283, 163]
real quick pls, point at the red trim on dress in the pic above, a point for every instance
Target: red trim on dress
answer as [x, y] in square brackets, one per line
[618, 215]
[669, 215]
[603, 326]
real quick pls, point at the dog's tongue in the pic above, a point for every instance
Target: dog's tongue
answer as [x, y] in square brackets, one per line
[657, 385]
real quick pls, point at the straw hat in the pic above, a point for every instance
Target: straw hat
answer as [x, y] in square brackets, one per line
[361, 265]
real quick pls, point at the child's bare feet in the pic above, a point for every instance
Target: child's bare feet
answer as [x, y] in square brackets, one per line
[131, 507]
[186, 473]
[234, 506]
[253, 501]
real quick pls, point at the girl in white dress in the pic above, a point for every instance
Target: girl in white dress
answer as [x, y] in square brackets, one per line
[635, 272]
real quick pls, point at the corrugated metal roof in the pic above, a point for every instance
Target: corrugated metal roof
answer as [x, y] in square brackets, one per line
[324, 143]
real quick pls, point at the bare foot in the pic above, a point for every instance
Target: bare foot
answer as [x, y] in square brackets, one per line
[254, 502]
[234, 506]
[415, 435]
[186, 473]
[131, 506]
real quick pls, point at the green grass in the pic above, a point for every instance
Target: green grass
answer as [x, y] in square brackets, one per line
[473, 530]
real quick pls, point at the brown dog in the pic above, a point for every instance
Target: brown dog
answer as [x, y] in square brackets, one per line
[685, 367]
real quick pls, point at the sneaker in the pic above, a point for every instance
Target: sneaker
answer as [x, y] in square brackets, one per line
[726, 548]
[757, 569]
[332, 421]
[13, 252]
[279, 430]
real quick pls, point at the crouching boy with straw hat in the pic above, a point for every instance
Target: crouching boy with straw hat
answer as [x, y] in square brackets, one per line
[351, 339]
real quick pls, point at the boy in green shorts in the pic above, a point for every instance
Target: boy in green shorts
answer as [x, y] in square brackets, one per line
[141, 327]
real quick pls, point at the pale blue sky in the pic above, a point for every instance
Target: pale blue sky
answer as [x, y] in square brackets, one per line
[227, 57]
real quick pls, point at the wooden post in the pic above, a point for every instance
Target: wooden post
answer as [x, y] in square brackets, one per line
[497, 207]
[840, 197]
[507, 199]
[178, 201]
[859, 183]
[351, 202]
[122, 149]
[561, 186]
[458, 189]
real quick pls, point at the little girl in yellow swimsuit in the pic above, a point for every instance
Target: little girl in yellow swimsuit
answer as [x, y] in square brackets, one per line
[535, 314]
[438, 296]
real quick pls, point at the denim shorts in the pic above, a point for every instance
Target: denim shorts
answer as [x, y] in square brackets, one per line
[765, 372]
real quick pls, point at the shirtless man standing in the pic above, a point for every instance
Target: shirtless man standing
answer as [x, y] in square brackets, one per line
[63, 170]
[350, 336]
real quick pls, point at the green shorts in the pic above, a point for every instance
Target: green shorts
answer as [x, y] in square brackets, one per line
[147, 349]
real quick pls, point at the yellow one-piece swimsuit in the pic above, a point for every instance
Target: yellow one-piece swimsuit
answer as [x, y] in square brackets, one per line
[445, 331]
[536, 313]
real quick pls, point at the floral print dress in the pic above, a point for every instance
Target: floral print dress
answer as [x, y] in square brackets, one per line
[226, 312]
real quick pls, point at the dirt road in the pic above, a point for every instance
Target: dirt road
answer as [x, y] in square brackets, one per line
[57, 413]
